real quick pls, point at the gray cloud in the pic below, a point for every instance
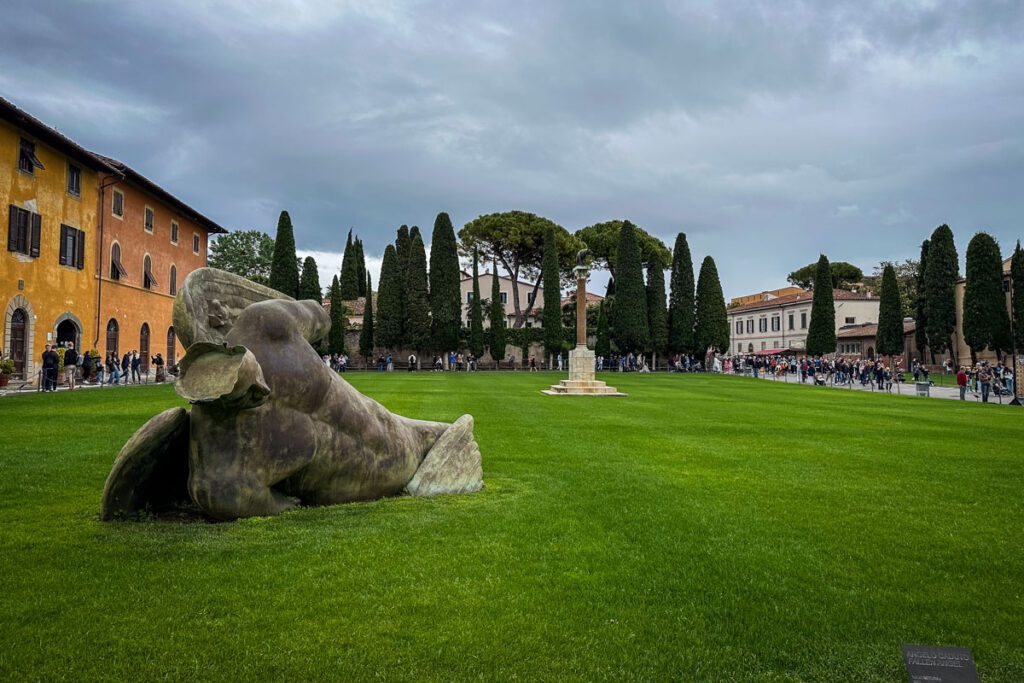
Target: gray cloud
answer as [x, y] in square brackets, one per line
[769, 132]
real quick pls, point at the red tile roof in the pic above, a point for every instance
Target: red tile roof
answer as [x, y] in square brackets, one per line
[789, 299]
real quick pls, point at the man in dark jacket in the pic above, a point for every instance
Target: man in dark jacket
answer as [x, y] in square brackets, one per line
[135, 367]
[126, 364]
[50, 363]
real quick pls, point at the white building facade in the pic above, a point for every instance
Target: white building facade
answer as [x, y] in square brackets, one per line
[781, 323]
[527, 296]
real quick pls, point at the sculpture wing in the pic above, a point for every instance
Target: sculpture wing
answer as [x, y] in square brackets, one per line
[209, 302]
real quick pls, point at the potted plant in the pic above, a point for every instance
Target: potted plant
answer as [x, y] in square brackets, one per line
[6, 370]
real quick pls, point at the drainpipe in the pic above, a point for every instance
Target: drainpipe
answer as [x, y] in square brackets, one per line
[99, 259]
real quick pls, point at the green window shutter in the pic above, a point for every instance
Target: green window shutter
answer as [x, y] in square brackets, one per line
[37, 229]
[12, 228]
[63, 245]
[81, 250]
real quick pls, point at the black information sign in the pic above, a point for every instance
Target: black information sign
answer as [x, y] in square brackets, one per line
[930, 664]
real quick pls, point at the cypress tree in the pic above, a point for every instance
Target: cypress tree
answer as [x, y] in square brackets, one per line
[889, 338]
[821, 334]
[629, 313]
[711, 324]
[553, 332]
[603, 347]
[402, 245]
[657, 315]
[476, 314]
[284, 270]
[681, 299]
[350, 276]
[986, 322]
[940, 278]
[360, 266]
[445, 304]
[497, 315]
[309, 283]
[339, 319]
[367, 334]
[389, 302]
[921, 307]
[417, 300]
[1017, 278]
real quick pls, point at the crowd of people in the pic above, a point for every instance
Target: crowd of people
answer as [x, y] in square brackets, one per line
[93, 368]
[981, 379]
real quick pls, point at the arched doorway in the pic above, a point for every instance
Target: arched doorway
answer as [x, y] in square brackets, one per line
[171, 347]
[19, 332]
[871, 352]
[144, 348]
[112, 335]
[67, 331]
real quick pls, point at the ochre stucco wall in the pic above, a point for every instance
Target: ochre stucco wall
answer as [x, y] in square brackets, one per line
[50, 290]
[126, 300]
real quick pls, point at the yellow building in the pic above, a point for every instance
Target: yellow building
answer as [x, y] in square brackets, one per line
[49, 186]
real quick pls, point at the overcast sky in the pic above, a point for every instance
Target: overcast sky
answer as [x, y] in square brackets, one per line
[768, 132]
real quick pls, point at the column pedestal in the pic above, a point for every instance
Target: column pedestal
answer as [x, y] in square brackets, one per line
[581, 380]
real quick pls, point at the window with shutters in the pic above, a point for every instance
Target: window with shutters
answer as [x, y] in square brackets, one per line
[117, 271]
[149, 220]
[74, 180]
[174, 232]
[72, 247]
[24, 231]
[172, 284]
[803, 321]
[148, 281]
[117, 204]
[762, 324]
[750, 326]
[195, 244]
[776, 323]
[28, 162]
[739, 327]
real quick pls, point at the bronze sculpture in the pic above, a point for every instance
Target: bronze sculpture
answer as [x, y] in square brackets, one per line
[271, 425]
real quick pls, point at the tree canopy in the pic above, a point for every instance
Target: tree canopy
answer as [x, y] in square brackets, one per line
[1017, 277]
[515, 239]
[889, 338]
[907, 274]
[416, 309]
[657, 313]
[350, 275]
[920, 309]
[309, 283]
[476, 313]
[843, 275]
[284, 268]
[496, 340]
[821, 333]
[389, 301]
[941, 273]
[553, 328]
[630, 329]
[248, 253]
[711, 322]
[681, 307]
[603, 240]
[339, 319]
[445, 276]
[986, 323]
[367, 334]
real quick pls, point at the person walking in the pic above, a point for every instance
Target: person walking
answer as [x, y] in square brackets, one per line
[126, 366]
[985, 380]
[70, 365]
[136, 362]
[113, 370]
[961, 382]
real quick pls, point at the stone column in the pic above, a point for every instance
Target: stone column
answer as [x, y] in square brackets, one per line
[581, 306]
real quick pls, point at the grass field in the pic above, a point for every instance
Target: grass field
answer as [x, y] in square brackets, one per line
[705, 528]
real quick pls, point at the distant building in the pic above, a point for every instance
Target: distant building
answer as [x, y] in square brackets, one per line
[858, 341]
[529, 297]
[95, 251]
[764, 296]
[780, 323]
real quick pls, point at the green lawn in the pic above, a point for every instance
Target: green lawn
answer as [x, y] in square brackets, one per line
[705, 528]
